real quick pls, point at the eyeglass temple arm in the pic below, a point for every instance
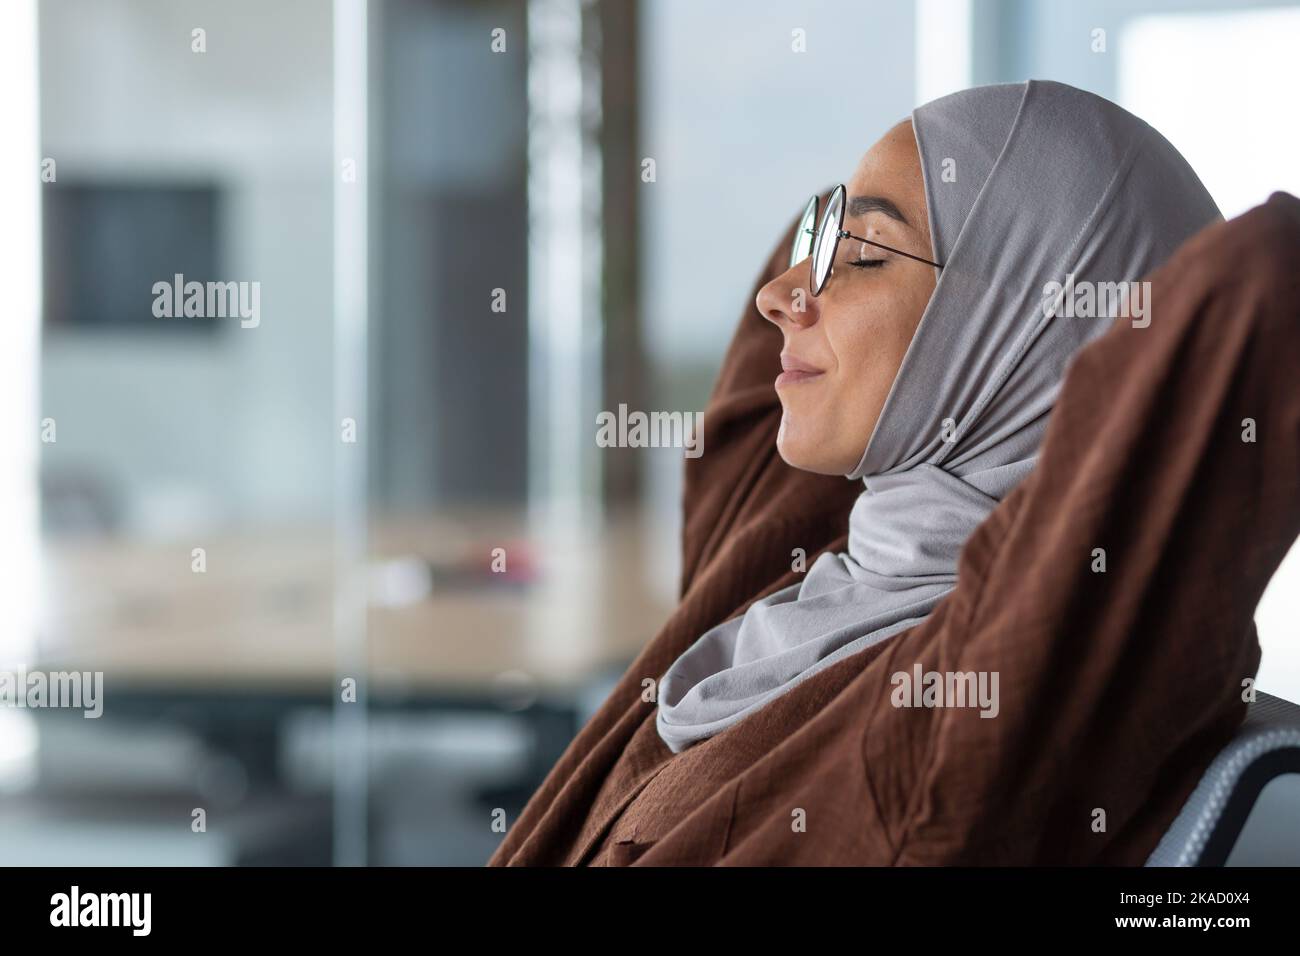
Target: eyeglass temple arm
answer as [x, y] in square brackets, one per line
[845, 234]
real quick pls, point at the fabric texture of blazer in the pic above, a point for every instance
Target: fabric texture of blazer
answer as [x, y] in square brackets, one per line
[1173, 454]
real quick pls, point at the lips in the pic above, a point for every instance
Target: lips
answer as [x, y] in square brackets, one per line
[795, 370]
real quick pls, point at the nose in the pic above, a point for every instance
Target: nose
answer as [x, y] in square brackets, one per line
[786, 299]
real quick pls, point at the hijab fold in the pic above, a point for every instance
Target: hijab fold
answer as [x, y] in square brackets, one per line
[1025, 184]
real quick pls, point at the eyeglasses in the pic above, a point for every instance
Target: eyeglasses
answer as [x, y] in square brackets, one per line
[822, 241]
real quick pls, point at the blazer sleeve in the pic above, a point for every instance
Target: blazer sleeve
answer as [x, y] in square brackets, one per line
[1113, 592]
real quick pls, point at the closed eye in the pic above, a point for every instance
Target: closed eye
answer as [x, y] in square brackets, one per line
[867, 263]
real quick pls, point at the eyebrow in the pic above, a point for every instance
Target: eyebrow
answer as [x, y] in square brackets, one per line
[861, 205]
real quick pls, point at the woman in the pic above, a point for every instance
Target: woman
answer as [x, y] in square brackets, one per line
[1084, 593]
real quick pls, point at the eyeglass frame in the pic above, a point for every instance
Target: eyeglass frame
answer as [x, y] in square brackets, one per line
[840, 233]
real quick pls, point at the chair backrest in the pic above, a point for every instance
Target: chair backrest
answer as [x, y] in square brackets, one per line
[1210, 823]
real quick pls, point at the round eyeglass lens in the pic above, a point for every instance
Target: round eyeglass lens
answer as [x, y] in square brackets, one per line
[827, 237]
[801, 248]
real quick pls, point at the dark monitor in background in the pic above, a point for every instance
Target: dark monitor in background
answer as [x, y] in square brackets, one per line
[106, 244]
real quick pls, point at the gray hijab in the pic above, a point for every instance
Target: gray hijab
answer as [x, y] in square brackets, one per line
[1026, 183]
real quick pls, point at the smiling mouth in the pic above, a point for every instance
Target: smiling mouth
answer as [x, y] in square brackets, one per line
[791, 376]
[794, 371]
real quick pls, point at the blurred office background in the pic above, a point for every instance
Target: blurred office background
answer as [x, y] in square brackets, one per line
[356, 574]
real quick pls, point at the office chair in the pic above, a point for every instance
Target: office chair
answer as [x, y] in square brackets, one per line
[1225, 821]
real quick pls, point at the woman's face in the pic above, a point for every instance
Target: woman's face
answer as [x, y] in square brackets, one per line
[844, 347]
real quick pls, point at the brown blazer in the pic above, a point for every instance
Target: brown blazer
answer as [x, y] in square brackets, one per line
[1117, 688]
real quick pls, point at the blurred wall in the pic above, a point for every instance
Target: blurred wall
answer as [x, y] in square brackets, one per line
[237, 426]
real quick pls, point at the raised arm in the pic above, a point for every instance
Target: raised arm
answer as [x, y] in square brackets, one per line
[1173, 455]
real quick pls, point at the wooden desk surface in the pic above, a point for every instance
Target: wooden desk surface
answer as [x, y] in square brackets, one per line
[261, 616]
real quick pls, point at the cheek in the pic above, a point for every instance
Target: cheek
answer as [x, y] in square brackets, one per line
[869, 346]
[868, 349]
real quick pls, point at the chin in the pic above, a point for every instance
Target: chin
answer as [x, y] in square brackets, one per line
[806, 449]
[793, 460]
[804, 456]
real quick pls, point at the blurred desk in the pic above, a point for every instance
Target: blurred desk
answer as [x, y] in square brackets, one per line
[260, 618]
[231, 652]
